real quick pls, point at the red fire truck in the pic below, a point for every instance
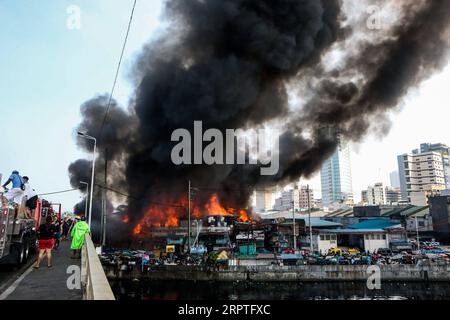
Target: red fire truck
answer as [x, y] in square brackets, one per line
[18, 236]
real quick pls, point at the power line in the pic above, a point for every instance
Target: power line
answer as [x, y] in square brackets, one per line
[57, 192]
[141, 198]
[117, 71]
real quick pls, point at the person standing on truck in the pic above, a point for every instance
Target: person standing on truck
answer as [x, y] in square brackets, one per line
[79, 230]
[45, 237]
[15, 194]
[32, 198]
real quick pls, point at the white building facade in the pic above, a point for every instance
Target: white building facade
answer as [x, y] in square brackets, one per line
[376, 194]
[421, 174]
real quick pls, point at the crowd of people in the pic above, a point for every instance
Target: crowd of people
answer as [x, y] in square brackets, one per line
[50, 232]
[54, 230]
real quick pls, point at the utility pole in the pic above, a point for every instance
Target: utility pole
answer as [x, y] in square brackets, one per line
[189, 216]
[293, 224]
[309, 218]
[81, 134]
[417, 233]
[104, 208]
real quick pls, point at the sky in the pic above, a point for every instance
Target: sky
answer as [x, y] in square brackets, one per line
[47, 70]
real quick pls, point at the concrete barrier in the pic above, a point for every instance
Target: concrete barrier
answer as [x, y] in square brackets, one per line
[93, 278]
[288, 273]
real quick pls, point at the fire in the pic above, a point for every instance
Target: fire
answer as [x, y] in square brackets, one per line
[172, 222]
[168, 216]
[137, 230]
[243, 216]
[126, 219]
[213, 207]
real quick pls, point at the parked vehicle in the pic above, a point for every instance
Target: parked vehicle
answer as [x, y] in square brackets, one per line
[399, 246]
[335, 251]
[384, 251]
[353, 251]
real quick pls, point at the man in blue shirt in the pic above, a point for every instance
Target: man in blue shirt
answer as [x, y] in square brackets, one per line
[16, 193]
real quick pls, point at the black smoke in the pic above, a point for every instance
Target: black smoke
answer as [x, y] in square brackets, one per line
[229, 63]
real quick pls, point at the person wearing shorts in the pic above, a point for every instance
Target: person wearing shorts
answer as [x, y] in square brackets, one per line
[32, 198]
[45, 242]
[16, 193]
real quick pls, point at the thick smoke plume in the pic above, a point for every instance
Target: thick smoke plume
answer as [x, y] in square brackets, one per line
[231, 64]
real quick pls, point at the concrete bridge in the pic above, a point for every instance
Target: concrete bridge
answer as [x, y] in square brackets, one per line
[68, 279]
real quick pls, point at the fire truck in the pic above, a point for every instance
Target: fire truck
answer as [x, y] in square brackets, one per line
[18, 236]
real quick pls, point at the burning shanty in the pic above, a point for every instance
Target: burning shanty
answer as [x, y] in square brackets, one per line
[163, 224]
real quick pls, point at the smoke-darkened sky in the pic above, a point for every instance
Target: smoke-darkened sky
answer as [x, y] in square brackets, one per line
[68, 56]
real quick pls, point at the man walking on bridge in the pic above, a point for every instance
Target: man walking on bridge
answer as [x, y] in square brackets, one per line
[79, 230]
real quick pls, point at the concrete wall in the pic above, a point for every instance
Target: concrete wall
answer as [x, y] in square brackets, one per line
[288, 273]
[373, 244]
[95, 283]
[325, 245]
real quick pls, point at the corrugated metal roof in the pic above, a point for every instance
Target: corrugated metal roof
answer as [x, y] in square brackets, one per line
[413, 210]
[348, 230]
[315, 221]
[340, 212]
[396, 211]
[350, 214]
[421, 213]
[375, 224]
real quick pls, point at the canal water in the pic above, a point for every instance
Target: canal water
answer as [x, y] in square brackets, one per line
[189, 290]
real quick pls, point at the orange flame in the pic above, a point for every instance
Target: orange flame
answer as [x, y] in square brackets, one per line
[126, 219]
[213, 207]
[137, 230]
[158, 216]
[172, 222]
[243, 216]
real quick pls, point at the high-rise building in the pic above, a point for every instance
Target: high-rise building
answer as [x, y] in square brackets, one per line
[421, 173]
[444, 150]
[393, 195]
[264, 200]
[287, 200]
[376, 194]
[278, 206]
[364, 198]
[296, 199]
[394, 179]
[303, 198]
[336, 178]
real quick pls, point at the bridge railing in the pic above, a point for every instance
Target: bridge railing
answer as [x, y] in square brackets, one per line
[93, 278]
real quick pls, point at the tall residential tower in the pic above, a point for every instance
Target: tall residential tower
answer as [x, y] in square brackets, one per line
[336, 178]
[423, 173]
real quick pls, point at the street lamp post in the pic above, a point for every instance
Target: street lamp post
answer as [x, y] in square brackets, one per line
[189, 217]
[311, 248]
[83, 135]
[86, 204]
[417, 234]
[293, 226]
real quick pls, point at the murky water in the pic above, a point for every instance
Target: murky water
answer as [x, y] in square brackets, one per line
[187, 290]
